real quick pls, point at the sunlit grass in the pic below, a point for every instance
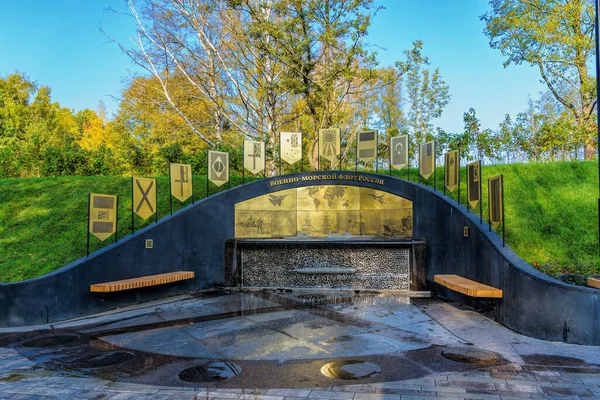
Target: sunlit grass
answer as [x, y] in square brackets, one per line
[551, 216]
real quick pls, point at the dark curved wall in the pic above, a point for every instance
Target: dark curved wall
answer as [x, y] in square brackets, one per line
[194, 239]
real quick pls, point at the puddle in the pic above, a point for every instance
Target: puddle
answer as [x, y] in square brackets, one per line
[470, 355]
[102, 360]
[213, 372]
[350, 370]
[311, 296]
[51, 341]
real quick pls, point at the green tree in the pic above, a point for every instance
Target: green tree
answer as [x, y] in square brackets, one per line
[556, 36]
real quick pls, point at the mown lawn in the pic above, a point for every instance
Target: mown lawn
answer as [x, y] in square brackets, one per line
[551, 216]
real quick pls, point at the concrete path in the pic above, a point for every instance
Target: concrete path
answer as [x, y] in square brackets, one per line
[281, 341]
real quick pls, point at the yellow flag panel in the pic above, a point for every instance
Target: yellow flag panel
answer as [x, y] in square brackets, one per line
[451, 170]
[291, 146]
[329, 143]
[144, 197]
[367, 146]
[399, 151]
[218, 167]
[103, 215]
[181, 181]
[474, 183]
[495, 200]
[427, 159]
[254, 156]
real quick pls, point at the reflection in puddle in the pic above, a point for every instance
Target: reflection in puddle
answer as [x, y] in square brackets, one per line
[213, 372]
[102, 360]
[51, 341]
[470, 355]
[350, 370]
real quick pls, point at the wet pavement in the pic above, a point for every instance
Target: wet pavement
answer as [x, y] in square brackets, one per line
[273, 345]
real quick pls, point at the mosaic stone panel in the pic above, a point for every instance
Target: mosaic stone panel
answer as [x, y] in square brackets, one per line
[384, 269]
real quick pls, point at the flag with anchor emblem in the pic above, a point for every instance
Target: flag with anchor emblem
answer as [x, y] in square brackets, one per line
[181, 181]
[144, 197]
[218, 167]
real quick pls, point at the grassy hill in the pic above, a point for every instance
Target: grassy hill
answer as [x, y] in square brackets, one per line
[551, 216]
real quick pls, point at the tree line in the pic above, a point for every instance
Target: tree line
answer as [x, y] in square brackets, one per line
[220, 71]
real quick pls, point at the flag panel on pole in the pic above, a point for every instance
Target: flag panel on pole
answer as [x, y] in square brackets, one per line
[427, 159]
[399, 151]
[329, 143]
[254, 156]
[144, 197]
[181, 181]
[367, 146]
[473, 183]
[451, 170]
[495, 200]
[291, 146]
[218, 167]
[103, 215]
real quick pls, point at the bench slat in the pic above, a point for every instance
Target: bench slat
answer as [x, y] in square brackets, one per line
[594, 282]
[143, 281]
[467, 286]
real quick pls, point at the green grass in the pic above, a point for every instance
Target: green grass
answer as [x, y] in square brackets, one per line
[551, 216]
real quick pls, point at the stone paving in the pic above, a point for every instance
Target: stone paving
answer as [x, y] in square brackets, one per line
[535, 369]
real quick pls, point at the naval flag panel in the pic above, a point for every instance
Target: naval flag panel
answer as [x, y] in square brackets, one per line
[291, 146]
[367, 146]
[218, 167]
[329, 143]
[427, 159]
[254, 156]
[399, 151]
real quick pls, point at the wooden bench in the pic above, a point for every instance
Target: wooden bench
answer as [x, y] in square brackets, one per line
[594, 282]
[144, 281]
[467, 286]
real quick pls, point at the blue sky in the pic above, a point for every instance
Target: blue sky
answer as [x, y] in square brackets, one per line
[57, 43]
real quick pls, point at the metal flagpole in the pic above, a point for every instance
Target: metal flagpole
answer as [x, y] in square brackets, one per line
[356, 156]
[408, 155]
[340, 157]
[390, 154]
[376, 152]
[319, 152]
[192, 182]
[87, 253]
[265, 157]
[445, 172]
[434, 168]
[480, 195]
[243, 162]
[117, 222]
[503, 216]
[132, 213]
[596, 32]
[458, 161]
[489, 206]
[301, 155]
[419, 167]
[207, 174]
[170, 191]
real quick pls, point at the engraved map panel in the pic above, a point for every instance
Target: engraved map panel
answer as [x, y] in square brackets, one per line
[323, 211]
